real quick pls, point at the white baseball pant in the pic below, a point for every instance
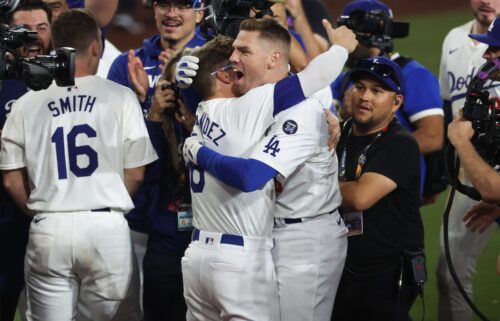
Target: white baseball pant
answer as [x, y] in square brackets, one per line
[228, 277]
[86, 255]
[309, 259]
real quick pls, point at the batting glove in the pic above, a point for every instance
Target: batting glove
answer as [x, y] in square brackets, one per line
[185, 71]
[190, 150]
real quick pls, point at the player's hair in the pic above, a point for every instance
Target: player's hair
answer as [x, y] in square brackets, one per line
[214, 54]
[75, 28]
[270, 30]
[31, 5]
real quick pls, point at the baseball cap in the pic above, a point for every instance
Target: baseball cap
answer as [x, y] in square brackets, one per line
[366, 6]
[492, 37]
[382, 69]
[75, 4]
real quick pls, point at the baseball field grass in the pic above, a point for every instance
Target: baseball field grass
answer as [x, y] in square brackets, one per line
[424, 44]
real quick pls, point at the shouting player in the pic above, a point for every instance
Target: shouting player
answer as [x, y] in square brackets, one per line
[241, 122]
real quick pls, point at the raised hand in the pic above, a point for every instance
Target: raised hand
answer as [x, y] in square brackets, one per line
[185, 71]
[341, 36]
[138, 76]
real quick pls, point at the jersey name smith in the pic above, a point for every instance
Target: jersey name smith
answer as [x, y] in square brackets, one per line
[72, 103]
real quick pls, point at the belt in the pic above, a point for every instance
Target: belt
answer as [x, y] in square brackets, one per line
[104, 209]
[225, 238]
[280, 221]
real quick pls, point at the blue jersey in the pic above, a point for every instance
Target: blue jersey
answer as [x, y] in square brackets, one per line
[421, 97]
[153, 212]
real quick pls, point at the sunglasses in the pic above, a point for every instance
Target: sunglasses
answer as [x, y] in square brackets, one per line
[381, 70]
[226, 67]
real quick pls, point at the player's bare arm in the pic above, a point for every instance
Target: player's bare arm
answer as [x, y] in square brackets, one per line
[133, 178]
[429, 133]
[366, 191]
[16, 183]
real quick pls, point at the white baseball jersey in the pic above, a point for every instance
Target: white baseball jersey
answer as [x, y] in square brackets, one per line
[296, 146]
[75, 143]
[460, 62]
[109, 55]
[231, 126]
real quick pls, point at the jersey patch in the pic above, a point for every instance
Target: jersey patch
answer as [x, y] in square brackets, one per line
[290, 127]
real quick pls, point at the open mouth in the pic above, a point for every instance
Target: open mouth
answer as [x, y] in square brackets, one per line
[171, 23]
[239, 74]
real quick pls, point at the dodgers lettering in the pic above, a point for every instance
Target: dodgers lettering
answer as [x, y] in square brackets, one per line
[210, 129]
[71, 104]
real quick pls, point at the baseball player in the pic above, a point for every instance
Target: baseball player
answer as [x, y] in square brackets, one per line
[236, 119]
[71, 157]
[461, 59]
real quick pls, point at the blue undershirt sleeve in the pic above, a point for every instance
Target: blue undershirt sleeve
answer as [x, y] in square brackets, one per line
[287, 93]
[246, 175]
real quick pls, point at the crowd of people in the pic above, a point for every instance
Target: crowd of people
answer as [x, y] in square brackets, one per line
[205, 177]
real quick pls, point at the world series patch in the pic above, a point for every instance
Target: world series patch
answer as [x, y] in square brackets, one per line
[290, 127]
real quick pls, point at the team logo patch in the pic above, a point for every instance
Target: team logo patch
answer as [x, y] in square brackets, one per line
[290, 127]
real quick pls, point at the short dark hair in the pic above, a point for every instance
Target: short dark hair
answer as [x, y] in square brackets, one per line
[270, 30]
[32, 5]
[214, 54]
[75, 28]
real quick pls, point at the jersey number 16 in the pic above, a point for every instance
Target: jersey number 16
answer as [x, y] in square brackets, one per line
[74, 151]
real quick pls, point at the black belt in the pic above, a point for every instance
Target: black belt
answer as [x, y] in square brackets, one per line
[300, 219]
[104, 209]
[225, 238]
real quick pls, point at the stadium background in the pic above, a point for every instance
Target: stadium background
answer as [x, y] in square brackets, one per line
[430, 21]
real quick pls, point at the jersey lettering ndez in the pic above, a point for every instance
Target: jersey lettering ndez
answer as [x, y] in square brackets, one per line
[231, 126]
[76, 142]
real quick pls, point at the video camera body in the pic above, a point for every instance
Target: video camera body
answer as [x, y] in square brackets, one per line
[484, 113]
[224, 16]
[37, 72]
[374, 28]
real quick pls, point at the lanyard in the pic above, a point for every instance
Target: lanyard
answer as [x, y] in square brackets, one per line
[362, 157]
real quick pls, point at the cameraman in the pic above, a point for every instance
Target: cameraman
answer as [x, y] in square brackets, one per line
[14, 224]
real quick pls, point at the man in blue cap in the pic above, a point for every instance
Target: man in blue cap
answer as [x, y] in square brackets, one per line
[380, 198]
[422, 113]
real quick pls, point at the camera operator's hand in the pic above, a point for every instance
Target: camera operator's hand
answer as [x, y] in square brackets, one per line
[341, 36]
[138, 76]
[164, 99]
[185, 71]
[459, 131]
[184, 116]
[481, 216]
[165, 56]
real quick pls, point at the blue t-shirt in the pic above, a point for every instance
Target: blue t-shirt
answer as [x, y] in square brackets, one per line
[152, 213]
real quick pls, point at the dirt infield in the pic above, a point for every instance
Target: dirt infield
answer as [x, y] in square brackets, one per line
[124, 40]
